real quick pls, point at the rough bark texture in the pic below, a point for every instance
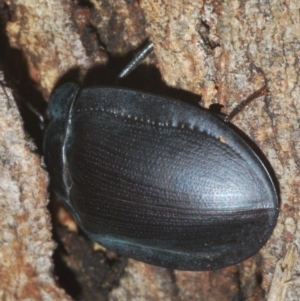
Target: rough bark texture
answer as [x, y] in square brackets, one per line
[25, 237]
[58, 36]
[222, 50]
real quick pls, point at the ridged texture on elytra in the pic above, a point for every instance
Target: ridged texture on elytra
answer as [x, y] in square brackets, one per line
[159, 180]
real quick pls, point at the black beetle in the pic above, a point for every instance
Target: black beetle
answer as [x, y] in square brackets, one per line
[156, 179]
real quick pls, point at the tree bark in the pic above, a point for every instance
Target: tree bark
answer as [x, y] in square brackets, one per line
[221, 50]
[25, 237]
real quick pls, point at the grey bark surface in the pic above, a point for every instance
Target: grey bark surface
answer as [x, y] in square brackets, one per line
[26, 245]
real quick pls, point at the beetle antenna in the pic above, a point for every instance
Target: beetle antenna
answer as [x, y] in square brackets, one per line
[263, 91]
[3, 85]
[137, 60]
[39, 115]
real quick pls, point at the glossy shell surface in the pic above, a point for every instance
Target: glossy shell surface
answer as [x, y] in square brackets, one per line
[156, 179]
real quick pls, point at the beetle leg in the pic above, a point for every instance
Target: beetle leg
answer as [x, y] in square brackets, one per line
[137, 60]
[263, 91]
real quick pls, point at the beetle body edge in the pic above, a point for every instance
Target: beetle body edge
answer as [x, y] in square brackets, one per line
[156, 179]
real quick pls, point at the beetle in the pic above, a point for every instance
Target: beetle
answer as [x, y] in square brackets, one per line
[157, 179]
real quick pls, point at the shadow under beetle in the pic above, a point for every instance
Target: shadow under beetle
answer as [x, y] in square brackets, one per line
[156, 179]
